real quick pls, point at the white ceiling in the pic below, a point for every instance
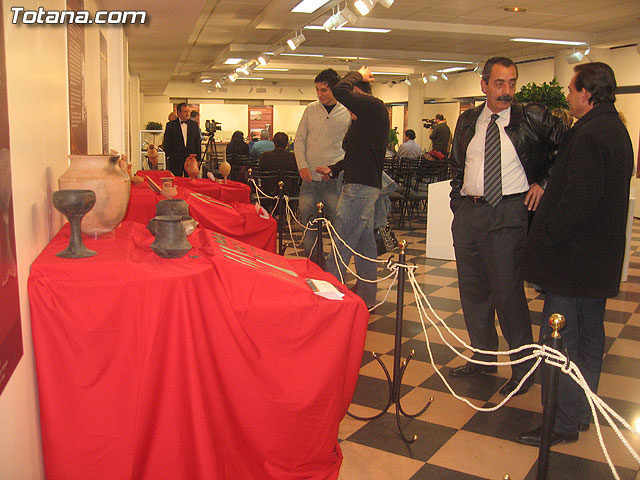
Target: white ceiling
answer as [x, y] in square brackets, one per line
[187, 39]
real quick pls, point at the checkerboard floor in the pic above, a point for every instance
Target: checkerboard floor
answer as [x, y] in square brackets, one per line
[455, 442]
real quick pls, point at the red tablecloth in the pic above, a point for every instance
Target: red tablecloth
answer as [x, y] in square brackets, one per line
[240, 221]
[229, 192]
[221, 364]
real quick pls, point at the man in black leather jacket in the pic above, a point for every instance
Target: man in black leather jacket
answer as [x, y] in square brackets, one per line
[489, 233]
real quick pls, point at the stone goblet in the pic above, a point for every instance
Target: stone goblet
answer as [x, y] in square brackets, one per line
[74, 204]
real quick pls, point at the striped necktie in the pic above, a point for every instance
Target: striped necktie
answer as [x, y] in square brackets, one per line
[492, 168]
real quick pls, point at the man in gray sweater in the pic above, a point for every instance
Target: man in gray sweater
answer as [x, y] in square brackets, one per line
[318, 142]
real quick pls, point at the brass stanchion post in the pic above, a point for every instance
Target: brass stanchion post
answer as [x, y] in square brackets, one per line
[281, 214]
[319, 252]
[557, 322]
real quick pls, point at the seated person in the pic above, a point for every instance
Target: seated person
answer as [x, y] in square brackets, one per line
[409, 149]
[263, 145]
[279, 158]
[236, 149]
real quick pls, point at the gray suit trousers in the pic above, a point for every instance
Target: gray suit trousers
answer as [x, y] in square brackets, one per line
[489, 244]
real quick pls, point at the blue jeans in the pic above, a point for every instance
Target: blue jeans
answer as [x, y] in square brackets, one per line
[354, 224]
[583, 338]
[310, 194]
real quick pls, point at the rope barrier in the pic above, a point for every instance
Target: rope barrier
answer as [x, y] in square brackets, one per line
[539, 353]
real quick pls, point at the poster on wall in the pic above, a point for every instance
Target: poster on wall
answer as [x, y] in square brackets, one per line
[104, 89]
[76, 68]
[10, 326]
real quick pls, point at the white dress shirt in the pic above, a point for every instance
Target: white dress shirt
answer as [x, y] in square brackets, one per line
[184, 127]
[514, 178]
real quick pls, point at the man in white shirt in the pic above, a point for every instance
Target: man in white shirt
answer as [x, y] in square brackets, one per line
[318, 142]
[409, 149]
[500, 153]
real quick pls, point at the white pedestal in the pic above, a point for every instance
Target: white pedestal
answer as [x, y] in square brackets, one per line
[439, 218]
[627, 247]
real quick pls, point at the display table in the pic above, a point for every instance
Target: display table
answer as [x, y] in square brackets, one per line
[222, 364]
[229, 192]
[240, 221]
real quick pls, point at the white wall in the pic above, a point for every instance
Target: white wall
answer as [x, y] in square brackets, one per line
[155, 109]
[232, 117]
[286, 118]
[37, 83]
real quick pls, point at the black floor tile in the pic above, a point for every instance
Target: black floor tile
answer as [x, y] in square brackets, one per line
[568, 467]
[617, 317]
[444, 272]
[374, 392]
[627, 410]
[456, 321]
[445, 304]
[382, 434]
[433, 472]
[619, 365]
[628, 296]
[441, 353]
[482, 387]
[630, 332]
[387, 324]
[505, 423]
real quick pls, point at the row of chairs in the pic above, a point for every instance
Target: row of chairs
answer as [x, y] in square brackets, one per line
[413, 177]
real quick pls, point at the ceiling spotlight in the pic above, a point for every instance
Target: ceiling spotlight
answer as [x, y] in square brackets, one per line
[294, 42]
[475, 69]
[424, 79]
[587, 51]
[364, 6]
[407, 81]
[340, 19]
[300, 90]
[251, 90]
[262, 60]
[218, 85]
[233, 77]
[243, 69]
[575, 57]
[514, 9]
[209, 90]
[433, 78]
[386, 3]
[443, 76]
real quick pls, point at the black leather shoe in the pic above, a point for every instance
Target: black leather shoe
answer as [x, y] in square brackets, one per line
[471, 370]
[511, 385]
[533, 437]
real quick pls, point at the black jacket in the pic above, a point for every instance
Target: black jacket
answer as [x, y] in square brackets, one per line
[576, 242]
[174, 147]
[534, 132]
[365, 143]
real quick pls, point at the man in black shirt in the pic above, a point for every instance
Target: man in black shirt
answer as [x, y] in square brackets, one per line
[364, 146]
[441, 135]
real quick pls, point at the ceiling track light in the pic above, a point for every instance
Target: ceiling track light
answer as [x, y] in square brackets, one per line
[218, 84]
[263, 60]
[424, 79]
[340, 19]
[407, 81]
[296, 41]
[575, 57]
[364, 6]
[233, 77]
[443, 76]
[433, 78]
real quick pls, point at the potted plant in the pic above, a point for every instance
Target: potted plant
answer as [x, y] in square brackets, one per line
[549, 94]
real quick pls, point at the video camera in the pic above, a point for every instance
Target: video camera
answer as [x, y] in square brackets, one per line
[428, 122]
[211, 126]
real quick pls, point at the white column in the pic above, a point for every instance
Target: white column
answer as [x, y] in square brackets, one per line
[415, 108]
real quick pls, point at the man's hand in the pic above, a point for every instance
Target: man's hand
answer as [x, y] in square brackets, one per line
[324, 170]
[367, 76]
[305, 174]
[533, 196]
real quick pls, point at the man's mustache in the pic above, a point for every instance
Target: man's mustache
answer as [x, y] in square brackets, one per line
[505, 98]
